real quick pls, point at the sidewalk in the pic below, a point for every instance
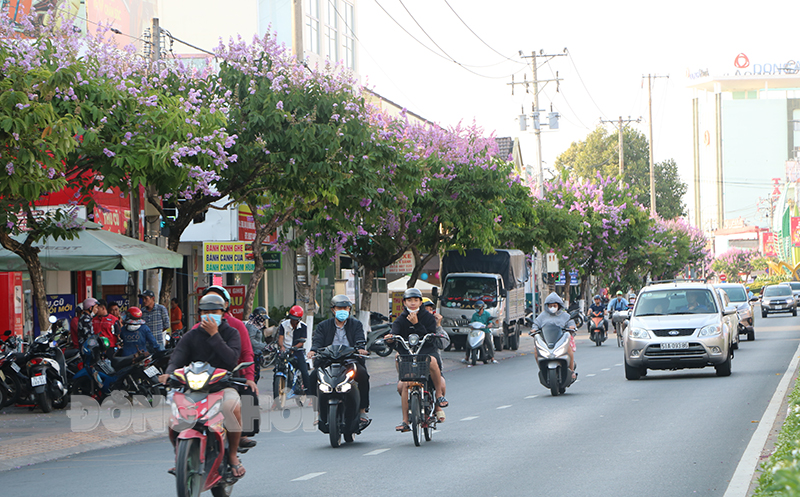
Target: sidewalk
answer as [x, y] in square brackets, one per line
[31, 437]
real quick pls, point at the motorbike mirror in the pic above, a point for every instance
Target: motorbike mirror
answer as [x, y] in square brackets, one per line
[435, 292]
[52, 319]
[242, 366]
[754, 299]
[464, 316]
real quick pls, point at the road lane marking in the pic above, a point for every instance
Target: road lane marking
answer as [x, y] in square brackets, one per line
[590, 374]
[376, 452]
[504, 407]
[620, 364]
[309, 476]
[531, 396]
[469, 418]
[606, 369]
[740, 482]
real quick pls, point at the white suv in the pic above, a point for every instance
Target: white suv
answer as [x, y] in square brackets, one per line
[679, 325]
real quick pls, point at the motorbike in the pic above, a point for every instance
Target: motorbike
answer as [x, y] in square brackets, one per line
[287, 382]
[46, 369]
[421, 394]
[476, 343]
[597, 331]
[375, 341]
[11, 376]
[201, 449]
[338, 396]
[552, 343]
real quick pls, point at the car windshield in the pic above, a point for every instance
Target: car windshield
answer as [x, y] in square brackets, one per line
[468, 290]
[735, 293]
[675, 301]
[777, 291]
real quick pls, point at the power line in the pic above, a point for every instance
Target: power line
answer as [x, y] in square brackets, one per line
[112, 29]
[478, 37]
[584, 84]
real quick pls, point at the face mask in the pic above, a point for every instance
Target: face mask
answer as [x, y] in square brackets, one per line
[552, 309]
[217, 318]
[342, 315]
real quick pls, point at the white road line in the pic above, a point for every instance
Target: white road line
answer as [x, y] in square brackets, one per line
[740, 482]
[531, 396]
[617, 365]
[376, 452]
[309, 476]
[606, 369]
[504, 407]
[590, 374]
[469, 418]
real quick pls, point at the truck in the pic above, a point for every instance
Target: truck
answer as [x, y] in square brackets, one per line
[498, 279]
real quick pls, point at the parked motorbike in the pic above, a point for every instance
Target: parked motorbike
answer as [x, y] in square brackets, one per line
[552, 343]
[421, 393]
[337, 392]
[12, 377]
[375, 341]
[287, 382]
[46, 369]
[476, 343]
[201, 451]
[597, 331]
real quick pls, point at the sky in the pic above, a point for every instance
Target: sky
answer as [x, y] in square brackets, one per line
[611, 45]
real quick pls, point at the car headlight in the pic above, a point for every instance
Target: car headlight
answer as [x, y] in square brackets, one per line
[710, 330]
[196, 381]
[639, 333]
[324, 387]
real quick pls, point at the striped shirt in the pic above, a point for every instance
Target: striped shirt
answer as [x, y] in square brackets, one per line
[157, 320]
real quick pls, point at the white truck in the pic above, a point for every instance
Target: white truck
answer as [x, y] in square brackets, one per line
[497, 279]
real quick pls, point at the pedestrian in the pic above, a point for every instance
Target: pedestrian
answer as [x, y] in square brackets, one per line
[175, 317]
[155, 315]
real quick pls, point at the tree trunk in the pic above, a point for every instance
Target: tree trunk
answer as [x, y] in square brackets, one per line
[420, 262]
[30, 255]
[305, 283]
[366, 288]
[168, 273]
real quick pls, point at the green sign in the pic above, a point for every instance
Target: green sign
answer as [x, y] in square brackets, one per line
[272, 260]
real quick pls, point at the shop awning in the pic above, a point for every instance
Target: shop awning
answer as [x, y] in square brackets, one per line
[94, 249]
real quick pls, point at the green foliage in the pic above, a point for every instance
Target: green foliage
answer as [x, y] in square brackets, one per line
[781, 472]
[769, 279]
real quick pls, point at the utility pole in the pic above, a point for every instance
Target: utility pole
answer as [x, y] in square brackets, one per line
[553, 124]
[620, 124]
[651, 77]
[297, 29]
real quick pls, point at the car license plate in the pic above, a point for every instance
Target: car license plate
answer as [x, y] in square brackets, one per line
[151, 371]
[674, 345]
[38, 380]
[15, 367]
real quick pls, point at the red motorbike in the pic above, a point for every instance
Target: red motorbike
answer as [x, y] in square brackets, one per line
[201, 455]
[597, 331]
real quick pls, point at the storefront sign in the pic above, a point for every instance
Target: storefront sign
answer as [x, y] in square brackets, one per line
[227, 257]
[60, 306]
[121, 300]
[247, 227]
[237, 293]
[272, 260]
[403, 265]
[114, 219]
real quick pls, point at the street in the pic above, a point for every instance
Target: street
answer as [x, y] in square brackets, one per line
[669, 434]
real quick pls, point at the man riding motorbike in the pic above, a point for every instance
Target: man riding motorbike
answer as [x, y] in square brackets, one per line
[255, 327]
[554, 313]
[213, 341]
[481, 315]
[597, 309]
[414, 320]
[615, 305]
[342, 329]
[135, 335]
[291, 333]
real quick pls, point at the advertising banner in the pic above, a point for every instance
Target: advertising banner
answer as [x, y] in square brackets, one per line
[403, 265]
[796, 232]
[61, 306]
[769, 245]
[121, 300]
[114, 219]
[247, 228]
[573, 278]
[227, 257]
[237, 293]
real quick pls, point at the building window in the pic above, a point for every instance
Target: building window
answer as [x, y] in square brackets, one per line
[312, 25]
[349, 35]
[332, 31]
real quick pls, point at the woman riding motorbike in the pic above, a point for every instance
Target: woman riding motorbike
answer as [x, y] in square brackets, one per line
[554, 313]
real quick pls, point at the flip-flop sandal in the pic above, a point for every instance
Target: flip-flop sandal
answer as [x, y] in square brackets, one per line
[238, 467]
[442, 402]
[403, 427]
[172, 472]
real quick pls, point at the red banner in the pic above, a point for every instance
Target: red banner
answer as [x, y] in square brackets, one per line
[247, 227]
[769, 248]
[796, 232]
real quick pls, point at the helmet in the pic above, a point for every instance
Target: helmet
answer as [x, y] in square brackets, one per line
[90, 302]
[596, 297]
[480, 304]
[260, 311]
[212, 302]
[619, 292]
[341, 301]
[220, 290]
[296, 312]
[104, 343]
[427, 301]
[135, 313]
[411, 293]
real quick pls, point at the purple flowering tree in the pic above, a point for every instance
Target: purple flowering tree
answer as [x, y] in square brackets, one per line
[734, 262]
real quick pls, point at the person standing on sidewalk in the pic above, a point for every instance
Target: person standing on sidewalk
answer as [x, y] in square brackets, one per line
[175, 317]
[155, 315]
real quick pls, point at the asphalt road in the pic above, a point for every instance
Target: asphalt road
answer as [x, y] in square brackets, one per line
[670, 434]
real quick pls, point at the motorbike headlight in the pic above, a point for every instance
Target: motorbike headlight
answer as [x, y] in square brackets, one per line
[639, 333]
[344, 387]
[561, 350]
[710, 330]
[196, 381]
[413, 339]
[213, 410]
[324, 387]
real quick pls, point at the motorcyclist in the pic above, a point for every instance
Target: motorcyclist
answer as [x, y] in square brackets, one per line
[481, 315]
[136, 335]
[213, 341]
[615, 305]
[414, 320]
[342, 329]
[255, 327]
[597, 309]
[81, 325]
[554, 313]
[444, 342]
[293, 332]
